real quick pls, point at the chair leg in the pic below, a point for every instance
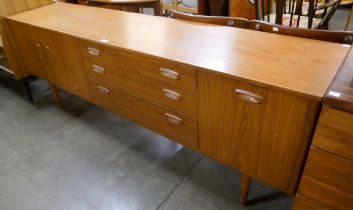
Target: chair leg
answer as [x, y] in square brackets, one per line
[349, 19]
[244, 191]
[55, 94]
[28, 90]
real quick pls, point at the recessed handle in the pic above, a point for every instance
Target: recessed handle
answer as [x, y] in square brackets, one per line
[249, 96]
[173, 119]
[93, 51]
[98, 69]
[172, 94]
[103, 90]
[50, 57]
[169, 73]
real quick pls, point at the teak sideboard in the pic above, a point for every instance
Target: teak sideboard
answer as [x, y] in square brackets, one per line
[245, 98]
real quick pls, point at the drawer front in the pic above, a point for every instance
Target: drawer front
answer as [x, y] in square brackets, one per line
[328, 180]
[159, 92]
[334, 132]
[164, 121]
[305, 204]
[169, 72]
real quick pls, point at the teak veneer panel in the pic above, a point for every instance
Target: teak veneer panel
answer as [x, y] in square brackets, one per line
[267, 141]
[334, 132]
[145, 113]
[300, 66]
[328, 180]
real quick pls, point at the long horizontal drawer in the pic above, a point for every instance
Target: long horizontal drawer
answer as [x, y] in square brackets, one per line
[334, 132]
[156, 91]
[328, 180]
[169, 72]
[165, 121]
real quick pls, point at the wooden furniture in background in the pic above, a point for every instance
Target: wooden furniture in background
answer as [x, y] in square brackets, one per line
[242, 8]
[216, 20]
[136, 5]
[213, 7]
[207, 94]
[344, 37]
[178, 5]
[327, 181]
[289, 13]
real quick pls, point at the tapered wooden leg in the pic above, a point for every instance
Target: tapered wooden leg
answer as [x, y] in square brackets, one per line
[244, 191]
[55, 94]
[157, 8]
[349, 19]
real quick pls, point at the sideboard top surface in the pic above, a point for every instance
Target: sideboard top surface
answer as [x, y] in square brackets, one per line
[301, 66]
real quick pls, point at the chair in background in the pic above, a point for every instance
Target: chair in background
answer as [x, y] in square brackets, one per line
[343, 37]
[129, 5]
[178, 5]
[213, 7]
[291, 13]
[215, 20]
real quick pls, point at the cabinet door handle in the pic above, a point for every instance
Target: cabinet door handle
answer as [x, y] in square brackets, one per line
[249, 96]
[50, 57]
[173, 119]
[40, 50]
[172, 94]
[103, 90]
[98, 69]
[93, 51]
[169, 73]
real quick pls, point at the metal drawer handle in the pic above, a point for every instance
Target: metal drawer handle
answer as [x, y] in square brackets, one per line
[98, 69]
[174, 119]
[249, 96]
[103, 90]
[50, 57]
[93, 51]
[172, 94]
[169, 73]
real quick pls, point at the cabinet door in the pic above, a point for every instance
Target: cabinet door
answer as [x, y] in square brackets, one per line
[30, 47]
[266, 140]
[63, 60]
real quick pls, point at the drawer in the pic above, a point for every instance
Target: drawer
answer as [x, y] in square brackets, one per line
[328, 180]
[165, 121]
[305, 204]
[156, 91]
[172, 73]
[334, 132]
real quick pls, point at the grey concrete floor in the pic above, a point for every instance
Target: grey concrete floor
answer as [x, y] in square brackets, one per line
[82, 157]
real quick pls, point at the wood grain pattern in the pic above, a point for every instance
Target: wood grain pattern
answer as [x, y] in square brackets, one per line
[239, 54]
[10, 7]
[328, 179]
[12, 52]
[51, 57]
[334, 132]
[267, 141]
[145, 113]
[343, 85]
[242, 8]
[31, 49]
[302, 203]
[142, 65]
[147, 88]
